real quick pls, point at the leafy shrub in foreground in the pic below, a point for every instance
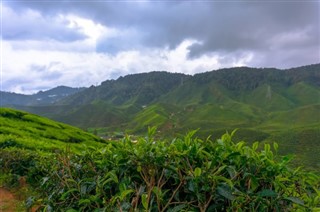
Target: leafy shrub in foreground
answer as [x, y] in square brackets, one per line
[186, 174]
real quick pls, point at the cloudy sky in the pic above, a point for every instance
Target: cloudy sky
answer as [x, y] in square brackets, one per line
[81, 43]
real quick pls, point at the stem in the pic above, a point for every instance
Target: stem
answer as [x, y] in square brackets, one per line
[174, 193]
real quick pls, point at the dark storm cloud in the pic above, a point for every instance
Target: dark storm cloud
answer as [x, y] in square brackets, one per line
[256, 26]
[261, 27]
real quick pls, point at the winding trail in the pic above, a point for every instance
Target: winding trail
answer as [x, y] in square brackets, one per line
[7, 201]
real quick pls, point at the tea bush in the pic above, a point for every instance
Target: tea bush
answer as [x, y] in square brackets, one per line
[184, 174]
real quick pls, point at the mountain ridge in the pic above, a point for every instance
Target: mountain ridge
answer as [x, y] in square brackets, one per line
[236, 97]
[263, 104]
[40, 98]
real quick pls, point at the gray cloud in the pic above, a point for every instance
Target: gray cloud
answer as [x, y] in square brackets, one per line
[128, 40]
[220, 26]
[50, 72]
[265, 33]
[30, 25]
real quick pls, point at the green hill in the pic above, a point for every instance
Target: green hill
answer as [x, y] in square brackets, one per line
[235, 97]
[50, 96]
[28, 131]
[132, 89]
[263, 103]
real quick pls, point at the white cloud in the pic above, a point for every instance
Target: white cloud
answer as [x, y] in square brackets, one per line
[27, 71]
[83, 43]
[93, 30]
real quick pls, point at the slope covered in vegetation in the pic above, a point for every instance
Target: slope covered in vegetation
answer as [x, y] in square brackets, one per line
[227, 98]
[28, 131]
[265, 104]
[183, 174]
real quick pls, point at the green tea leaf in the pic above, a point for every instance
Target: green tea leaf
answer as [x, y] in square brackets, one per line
[197, 172]
[255, 146]
[177, 208]
[295, 200]
[267, 193]
[225, 192]
[84, 201]
[64, 195]
[125, 193]
[145, 201]
[275, 146]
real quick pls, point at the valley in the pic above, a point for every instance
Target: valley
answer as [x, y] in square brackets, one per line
[263, 104]
[160, 106]
[142, 140]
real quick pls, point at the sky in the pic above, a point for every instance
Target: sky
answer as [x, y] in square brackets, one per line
[82, 43]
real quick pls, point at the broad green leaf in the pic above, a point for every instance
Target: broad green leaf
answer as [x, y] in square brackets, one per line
[71, 210]
[295, 200]
[267, 193]
[221, 178]
[207, 154]
[191, 186]
[275, 146]
[267, 147]
[255, 146]
[240, 145]
[157, 191]
[125, 193]
[145, 201]
[231, 171]
[221, 142]
[225, 192]
[208, 164]
[84, 201]
[197, 172]
[177, 208]
[64, 195]
[233, 132]
[83, 189]
[254, 183]
[111, 176]
[122, 187]
[220, 169]
[287, 158]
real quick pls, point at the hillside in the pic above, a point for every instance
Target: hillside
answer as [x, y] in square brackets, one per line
[41, 98]
[265, 104]
[234, 97]
[68, 169]
[138, 89]
[28, 131]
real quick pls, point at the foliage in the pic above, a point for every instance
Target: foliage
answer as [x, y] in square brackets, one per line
[147, 173]
[183, 174]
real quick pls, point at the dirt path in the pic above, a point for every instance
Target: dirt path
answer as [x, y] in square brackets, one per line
[7, 201]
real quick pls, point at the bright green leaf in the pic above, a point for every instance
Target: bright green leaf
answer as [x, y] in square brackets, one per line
[145, 201]
[197, 172]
